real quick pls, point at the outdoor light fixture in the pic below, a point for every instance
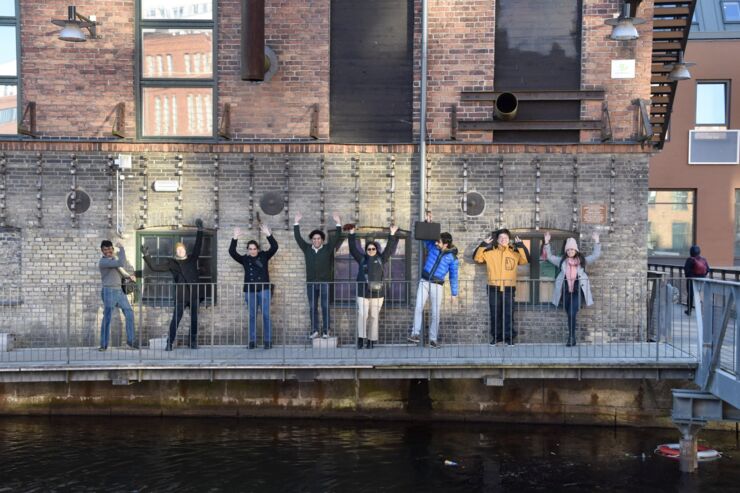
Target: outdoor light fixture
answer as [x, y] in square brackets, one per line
[680, 69]
[623, 27]
[73, 25]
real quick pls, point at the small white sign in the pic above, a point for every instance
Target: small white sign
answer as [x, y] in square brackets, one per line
[165, 186]
[623, 69]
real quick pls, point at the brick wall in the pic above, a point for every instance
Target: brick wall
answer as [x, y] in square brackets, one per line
[54, 252]
[77, 85]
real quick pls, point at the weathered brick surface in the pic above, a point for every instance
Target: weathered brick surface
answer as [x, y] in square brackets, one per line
[55, 252]
[99, 74]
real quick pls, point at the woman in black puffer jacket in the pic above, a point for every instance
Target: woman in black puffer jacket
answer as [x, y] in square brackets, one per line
[370, 287]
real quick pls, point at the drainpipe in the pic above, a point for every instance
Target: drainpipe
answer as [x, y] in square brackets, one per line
[423, 123]
[423, 112]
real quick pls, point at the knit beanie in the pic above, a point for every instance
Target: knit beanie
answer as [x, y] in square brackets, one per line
[570, 243]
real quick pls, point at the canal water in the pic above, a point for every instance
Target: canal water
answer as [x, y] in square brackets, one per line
[216, 454]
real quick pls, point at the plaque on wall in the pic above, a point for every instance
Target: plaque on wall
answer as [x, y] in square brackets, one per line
[593, 214]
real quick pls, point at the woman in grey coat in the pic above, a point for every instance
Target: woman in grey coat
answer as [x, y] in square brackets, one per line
[572, 282]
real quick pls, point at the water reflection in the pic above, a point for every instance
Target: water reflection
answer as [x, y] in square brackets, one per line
[147, 454]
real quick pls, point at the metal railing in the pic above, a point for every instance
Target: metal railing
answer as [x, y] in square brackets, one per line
[631, 319]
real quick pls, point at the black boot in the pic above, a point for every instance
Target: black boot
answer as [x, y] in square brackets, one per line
[360, 342]
[369, 343]
[571, 339]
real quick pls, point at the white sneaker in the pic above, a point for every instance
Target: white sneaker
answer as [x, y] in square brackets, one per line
[314, 335]
[324, 336]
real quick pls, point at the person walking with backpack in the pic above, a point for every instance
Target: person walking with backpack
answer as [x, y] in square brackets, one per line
[572, 286]
[696, 266]
[370, 286]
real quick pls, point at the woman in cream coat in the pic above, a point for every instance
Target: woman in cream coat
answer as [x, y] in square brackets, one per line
[572, 284]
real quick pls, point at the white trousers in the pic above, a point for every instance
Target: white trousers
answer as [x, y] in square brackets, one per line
[428, 290]
[368, 310]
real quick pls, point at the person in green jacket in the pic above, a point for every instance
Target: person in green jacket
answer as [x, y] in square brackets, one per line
[319, 256]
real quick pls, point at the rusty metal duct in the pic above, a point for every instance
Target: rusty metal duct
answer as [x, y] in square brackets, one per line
[505, 106]
[253, 40]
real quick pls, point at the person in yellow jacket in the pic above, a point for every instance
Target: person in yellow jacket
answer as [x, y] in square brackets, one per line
[501, 259]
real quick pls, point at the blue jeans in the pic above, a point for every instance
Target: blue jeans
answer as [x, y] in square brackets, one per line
[112, 298]
[318, 291]
[261, 300]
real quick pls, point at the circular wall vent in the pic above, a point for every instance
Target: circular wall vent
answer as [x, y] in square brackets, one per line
[78, 201]
[473, 204]
[272, 203]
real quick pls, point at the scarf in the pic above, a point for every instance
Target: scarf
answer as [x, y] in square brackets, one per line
[571, 272]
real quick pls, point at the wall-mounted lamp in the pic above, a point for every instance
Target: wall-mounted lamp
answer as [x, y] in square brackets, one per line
[73, 25]
[623, 27]
[680, 69]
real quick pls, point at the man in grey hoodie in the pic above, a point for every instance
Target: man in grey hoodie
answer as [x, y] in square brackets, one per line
[111, 271]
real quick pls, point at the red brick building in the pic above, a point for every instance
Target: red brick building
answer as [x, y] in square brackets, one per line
[695, 180]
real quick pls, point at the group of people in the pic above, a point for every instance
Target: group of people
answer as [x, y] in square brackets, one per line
[498, 252]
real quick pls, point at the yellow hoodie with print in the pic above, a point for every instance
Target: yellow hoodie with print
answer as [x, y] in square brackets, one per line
[501, 263]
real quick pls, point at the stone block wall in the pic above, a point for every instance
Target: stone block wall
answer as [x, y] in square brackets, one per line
[56, 250]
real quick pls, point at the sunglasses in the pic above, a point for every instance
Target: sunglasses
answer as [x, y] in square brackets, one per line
[371, 249]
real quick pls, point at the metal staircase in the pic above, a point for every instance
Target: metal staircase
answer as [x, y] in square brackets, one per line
[671, 26]
[718, 374]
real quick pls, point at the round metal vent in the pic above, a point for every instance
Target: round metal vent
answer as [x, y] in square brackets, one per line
[78, 201]
[272, 203]
[473, 204]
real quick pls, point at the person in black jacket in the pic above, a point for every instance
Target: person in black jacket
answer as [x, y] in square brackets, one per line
[319, 258]
[370, 286]
[185, 275]
[256, 283]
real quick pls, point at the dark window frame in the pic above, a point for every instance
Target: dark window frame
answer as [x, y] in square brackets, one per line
[141, 82]
[187, 236]
[14, 21]
[536, 242]
[726, 84]
[374, 233]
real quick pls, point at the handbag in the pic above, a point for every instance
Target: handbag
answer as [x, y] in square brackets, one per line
[427, 231]
[127, 285]
[375, 286]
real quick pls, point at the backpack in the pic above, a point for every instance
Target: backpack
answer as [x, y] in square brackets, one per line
[700, 267]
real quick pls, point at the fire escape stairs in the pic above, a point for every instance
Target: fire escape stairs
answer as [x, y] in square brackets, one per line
[671, 26]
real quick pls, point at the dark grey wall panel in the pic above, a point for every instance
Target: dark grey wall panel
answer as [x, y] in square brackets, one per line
[538, 46]
[371, 70]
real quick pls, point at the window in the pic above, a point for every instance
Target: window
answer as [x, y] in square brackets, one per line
[536, 280]
[731, 11]
[158, 290]
[8, 68]
[173, 44]
[670, 222]
[397, 270]
[711, 103]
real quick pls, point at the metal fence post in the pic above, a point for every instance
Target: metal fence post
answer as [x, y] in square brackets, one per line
[69, 314]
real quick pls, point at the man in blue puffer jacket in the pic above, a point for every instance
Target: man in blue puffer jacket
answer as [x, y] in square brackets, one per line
[441, 260]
